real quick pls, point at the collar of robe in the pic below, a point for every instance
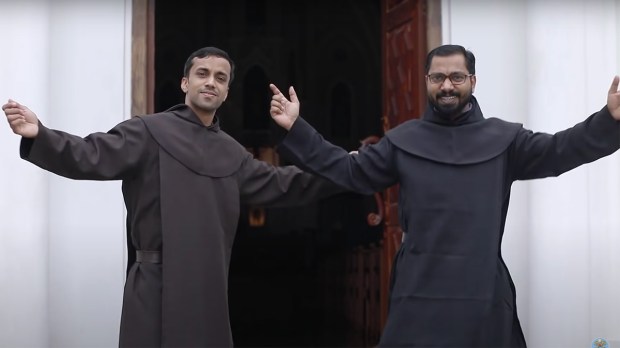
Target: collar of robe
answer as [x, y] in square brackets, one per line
[468, 115]
[186, 113]
[469, 138]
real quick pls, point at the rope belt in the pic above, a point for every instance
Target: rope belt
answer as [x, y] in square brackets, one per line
[148, 256]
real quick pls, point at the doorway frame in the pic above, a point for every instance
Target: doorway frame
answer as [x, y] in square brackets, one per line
[142, 57]
[143, 72]
[143, 50]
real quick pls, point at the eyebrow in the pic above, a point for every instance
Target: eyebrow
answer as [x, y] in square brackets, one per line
[218, 73]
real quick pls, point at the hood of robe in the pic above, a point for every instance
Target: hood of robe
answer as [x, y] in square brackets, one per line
[205, 150]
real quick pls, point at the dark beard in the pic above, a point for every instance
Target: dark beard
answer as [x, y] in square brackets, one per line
[449, 111]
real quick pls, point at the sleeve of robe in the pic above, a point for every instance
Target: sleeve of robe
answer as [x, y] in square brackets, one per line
[98, 156]
[540, 155]
[261, 183]
[367, 172]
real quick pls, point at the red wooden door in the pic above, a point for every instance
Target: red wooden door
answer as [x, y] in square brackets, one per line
[404, 49]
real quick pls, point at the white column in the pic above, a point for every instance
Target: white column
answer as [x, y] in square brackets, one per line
[23, 193]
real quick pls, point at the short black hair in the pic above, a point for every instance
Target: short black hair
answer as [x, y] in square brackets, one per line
[449, 50]
[207, 52]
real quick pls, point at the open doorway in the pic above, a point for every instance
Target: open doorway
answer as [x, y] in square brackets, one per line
[287, 276]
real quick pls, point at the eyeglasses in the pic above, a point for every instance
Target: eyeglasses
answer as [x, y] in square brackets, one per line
[455, 78]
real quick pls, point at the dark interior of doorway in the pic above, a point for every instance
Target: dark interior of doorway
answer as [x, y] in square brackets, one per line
[287, 275]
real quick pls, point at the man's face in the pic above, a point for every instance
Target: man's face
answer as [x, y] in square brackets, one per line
[447, 97]
[206, 86]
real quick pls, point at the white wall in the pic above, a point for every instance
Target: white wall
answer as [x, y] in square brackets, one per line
[62, 241]
[548, 64]
[23, 198]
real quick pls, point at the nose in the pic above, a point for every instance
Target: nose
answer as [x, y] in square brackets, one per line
[446, 84]
[210, 81]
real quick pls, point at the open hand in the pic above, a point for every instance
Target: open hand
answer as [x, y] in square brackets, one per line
[22, 120]
[283, 111]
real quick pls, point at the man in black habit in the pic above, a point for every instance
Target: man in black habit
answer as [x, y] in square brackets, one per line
[183, 182]
[450, 286]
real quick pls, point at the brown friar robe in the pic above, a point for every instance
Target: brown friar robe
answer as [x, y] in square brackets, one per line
[183, 184]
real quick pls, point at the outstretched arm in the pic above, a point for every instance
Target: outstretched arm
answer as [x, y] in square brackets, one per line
[22, 120]
[263, 184]
[99, 156]
[540, 155]
[370, 170]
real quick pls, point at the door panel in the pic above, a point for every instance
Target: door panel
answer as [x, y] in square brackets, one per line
[403, 54]
[142, 57]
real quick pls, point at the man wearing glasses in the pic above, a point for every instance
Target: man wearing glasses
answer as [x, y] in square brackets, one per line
[450, 286]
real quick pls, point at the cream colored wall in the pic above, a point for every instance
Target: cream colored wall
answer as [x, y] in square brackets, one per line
[548, 64]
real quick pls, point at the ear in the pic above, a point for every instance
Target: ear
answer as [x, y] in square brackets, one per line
[473, 83]
[184, 83]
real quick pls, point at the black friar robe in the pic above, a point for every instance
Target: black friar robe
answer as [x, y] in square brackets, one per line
[183, 184]
[450, 286]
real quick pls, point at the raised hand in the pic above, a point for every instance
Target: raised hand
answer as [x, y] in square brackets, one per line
[613, 99]
[283, 111]
[22, 120]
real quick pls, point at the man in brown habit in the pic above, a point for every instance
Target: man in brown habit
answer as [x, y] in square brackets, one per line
[183, 182]
[450, 286]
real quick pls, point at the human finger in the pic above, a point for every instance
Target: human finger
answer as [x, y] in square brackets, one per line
[17, 124]
[15, 117]
[276, 103]
[13, 111]
[9, 105]
[274, 89]
[293, 94]
[274, 110]
[614, 85]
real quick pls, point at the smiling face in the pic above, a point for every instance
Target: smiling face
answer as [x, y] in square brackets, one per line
[448, 98]
[206, 86]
